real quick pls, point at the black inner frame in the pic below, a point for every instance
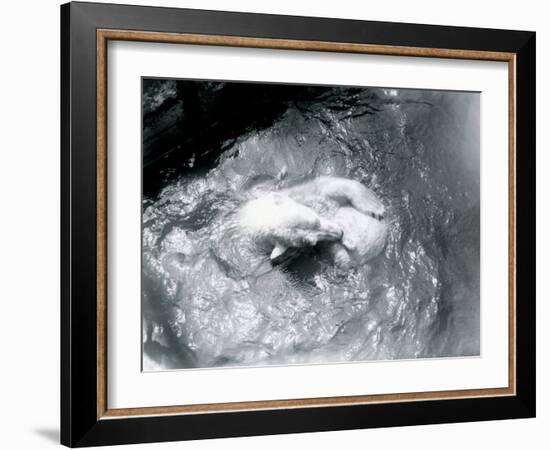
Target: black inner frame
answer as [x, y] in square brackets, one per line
[79, 423]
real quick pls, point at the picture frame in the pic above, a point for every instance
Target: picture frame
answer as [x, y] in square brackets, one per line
[86, 418]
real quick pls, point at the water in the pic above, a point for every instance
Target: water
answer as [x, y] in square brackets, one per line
[210, 301]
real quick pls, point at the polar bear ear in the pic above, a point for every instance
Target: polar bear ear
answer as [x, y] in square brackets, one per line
[277, 252]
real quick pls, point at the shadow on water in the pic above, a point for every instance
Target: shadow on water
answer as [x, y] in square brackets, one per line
[188, 124]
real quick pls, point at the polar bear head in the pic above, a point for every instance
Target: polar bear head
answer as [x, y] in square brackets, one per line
[280, 222]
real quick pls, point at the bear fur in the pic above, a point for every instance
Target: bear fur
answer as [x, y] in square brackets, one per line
[340, 213]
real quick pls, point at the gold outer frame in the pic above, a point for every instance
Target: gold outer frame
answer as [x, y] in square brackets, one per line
[104, 35]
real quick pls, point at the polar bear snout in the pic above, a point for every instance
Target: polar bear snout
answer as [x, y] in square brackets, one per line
[329, 231]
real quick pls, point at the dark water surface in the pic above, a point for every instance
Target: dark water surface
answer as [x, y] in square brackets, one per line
[207, 302]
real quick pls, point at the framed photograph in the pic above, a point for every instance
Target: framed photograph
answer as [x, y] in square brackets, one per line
[278, 224]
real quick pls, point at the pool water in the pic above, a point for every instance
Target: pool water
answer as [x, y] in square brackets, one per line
[210, 300]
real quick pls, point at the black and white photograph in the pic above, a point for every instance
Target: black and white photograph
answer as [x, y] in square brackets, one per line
[304, 224]
[275, 225]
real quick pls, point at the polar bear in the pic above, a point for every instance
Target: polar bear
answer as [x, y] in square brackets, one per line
[339, 213]
[364, 237]
[281, 223]
[343, 191]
